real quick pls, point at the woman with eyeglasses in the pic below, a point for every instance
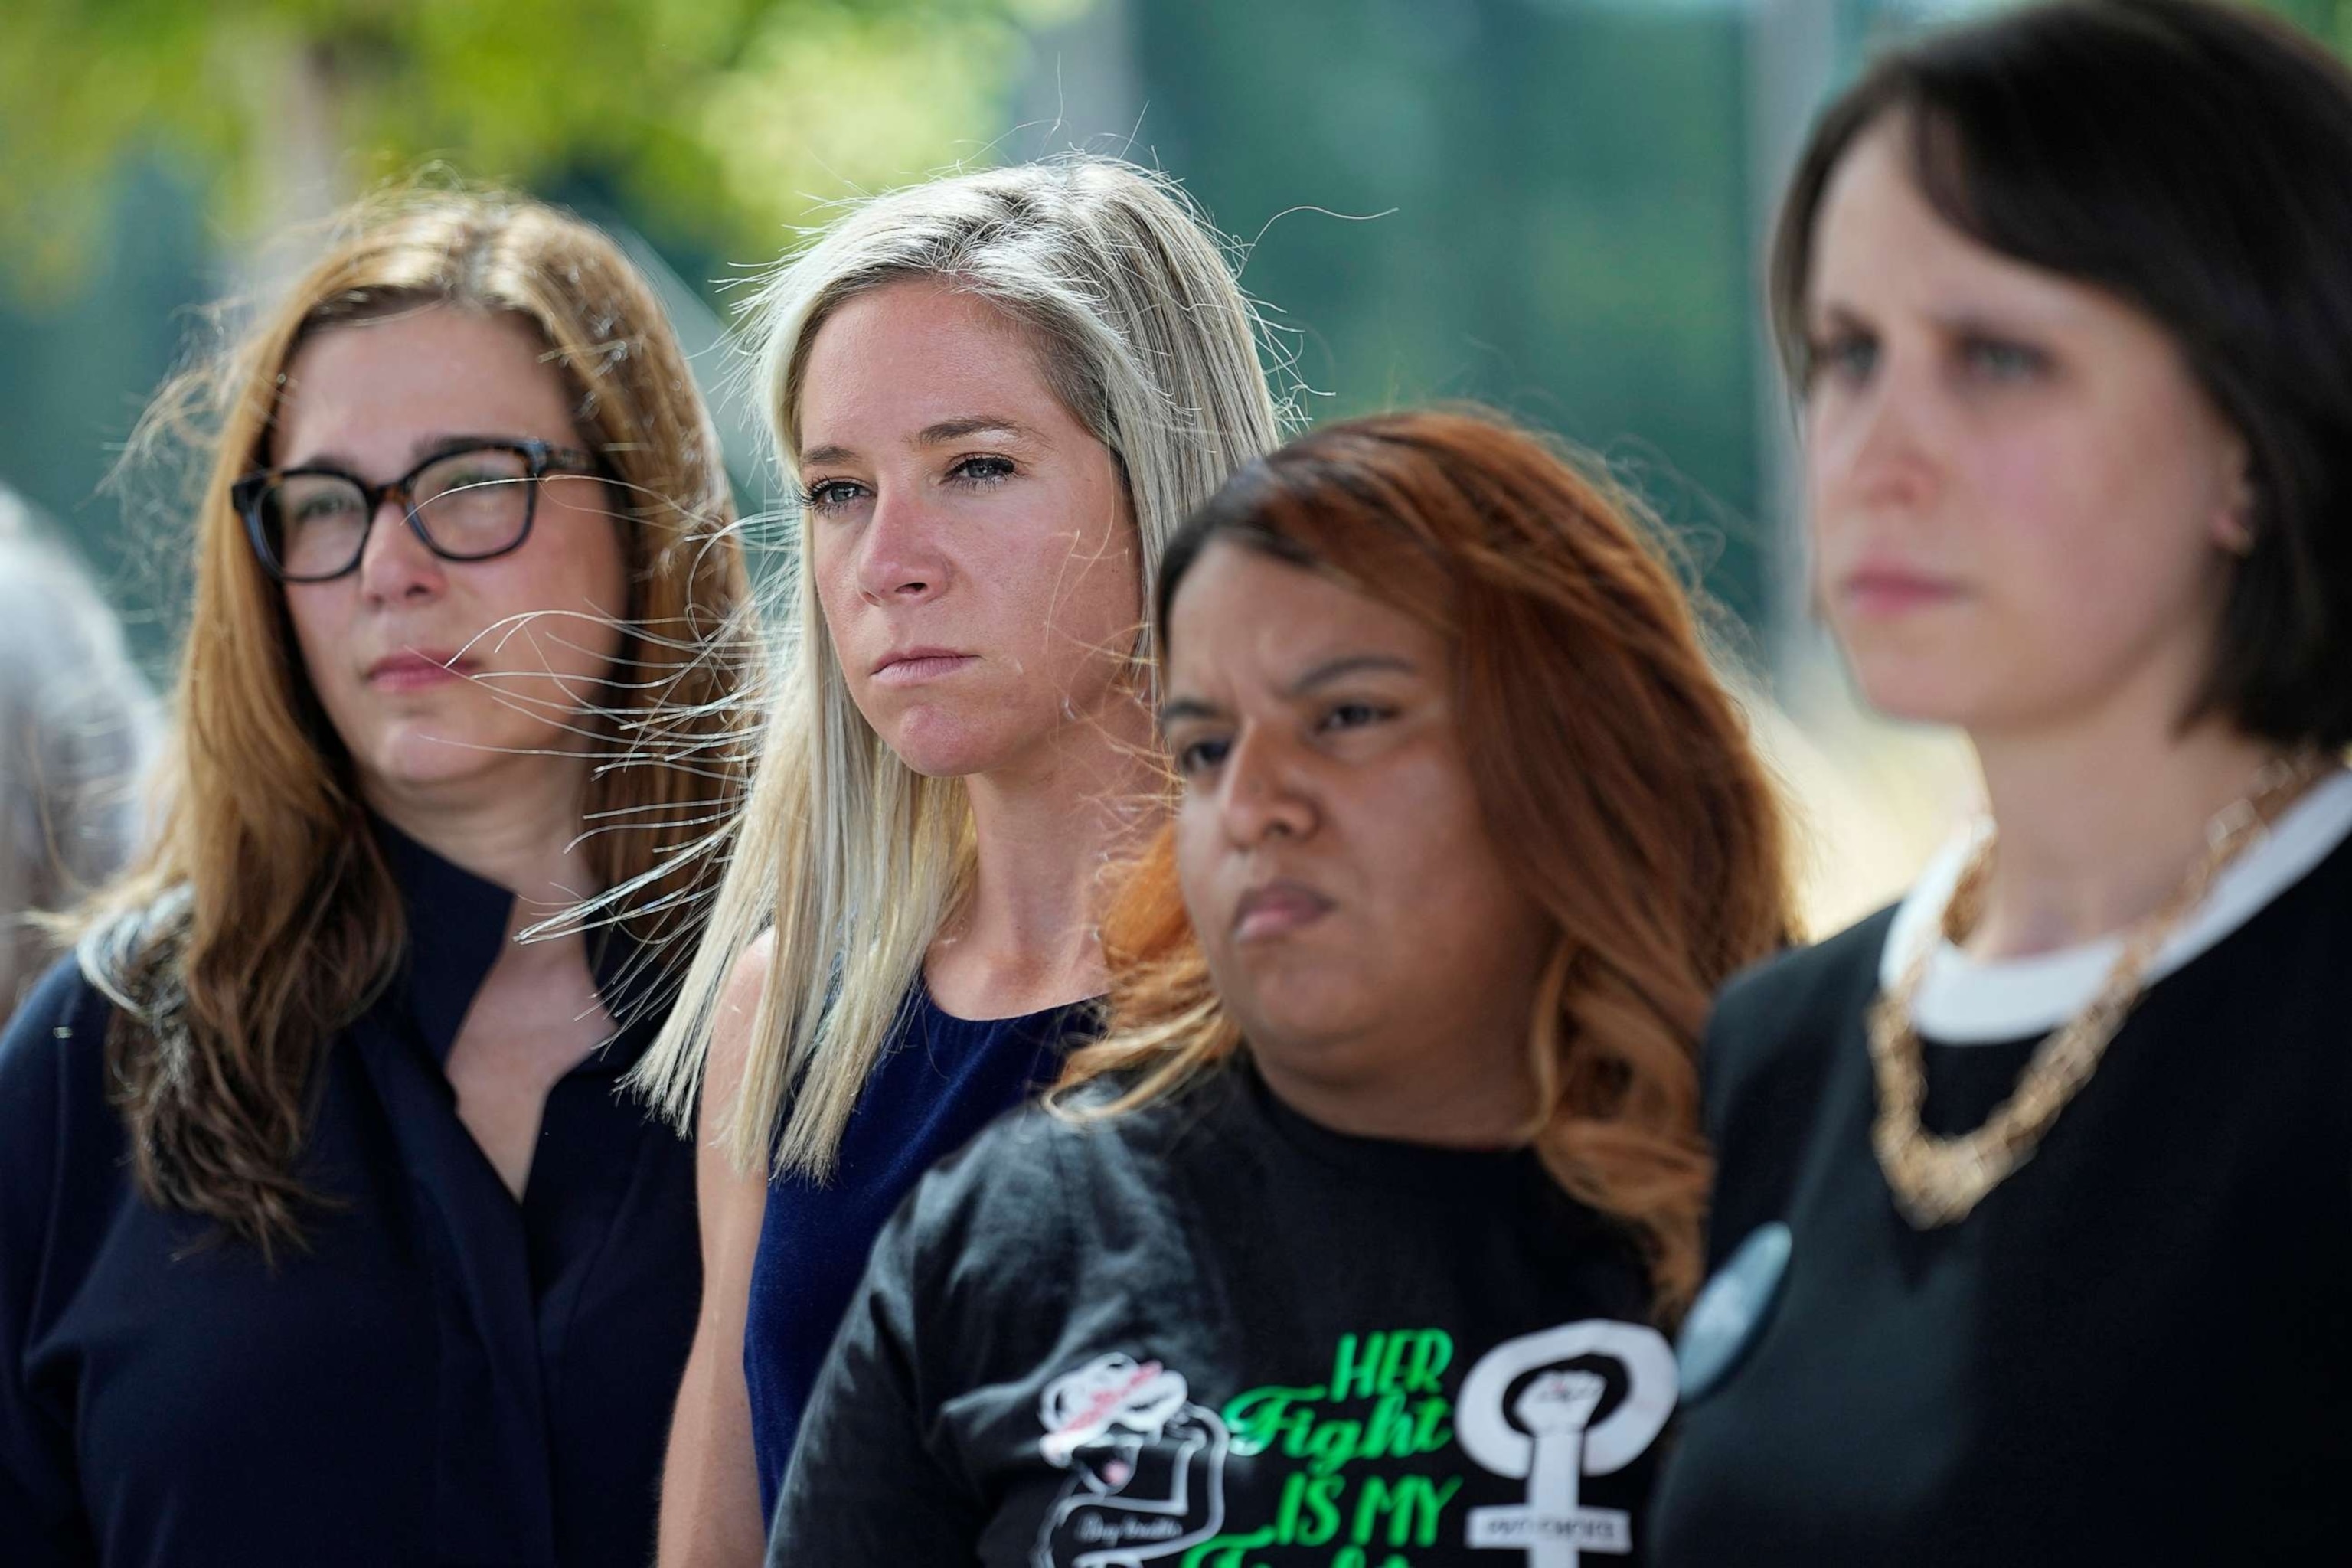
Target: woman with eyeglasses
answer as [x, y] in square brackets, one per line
[325, 1235]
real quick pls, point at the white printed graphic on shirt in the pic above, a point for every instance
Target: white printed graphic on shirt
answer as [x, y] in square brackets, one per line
[1554, 1442]
[1147, 1467]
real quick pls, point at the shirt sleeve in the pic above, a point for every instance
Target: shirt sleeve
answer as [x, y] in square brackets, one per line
[867, 1487]
[41, 1517]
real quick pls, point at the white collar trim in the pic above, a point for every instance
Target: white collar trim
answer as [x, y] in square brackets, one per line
[1963, 1001]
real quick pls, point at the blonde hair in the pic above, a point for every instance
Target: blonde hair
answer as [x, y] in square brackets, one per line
[848, 855]
[265, 918]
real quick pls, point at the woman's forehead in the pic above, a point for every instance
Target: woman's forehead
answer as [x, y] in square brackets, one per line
[1242, 614]
[366, 391]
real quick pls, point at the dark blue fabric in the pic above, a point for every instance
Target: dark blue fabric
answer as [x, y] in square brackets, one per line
[443, 1376]
[940, 1080]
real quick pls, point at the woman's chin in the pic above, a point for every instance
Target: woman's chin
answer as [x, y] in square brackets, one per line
[411, 759]
[948, 746]
[1912, 693]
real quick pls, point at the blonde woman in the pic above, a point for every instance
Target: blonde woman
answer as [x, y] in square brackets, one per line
[1353, 1241]
[999, 394]
[324, 1235]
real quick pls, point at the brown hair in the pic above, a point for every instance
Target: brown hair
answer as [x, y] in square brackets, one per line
[265, 917]
[1604, 750]
[2194, 161]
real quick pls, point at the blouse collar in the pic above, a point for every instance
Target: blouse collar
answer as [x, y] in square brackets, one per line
[1966, 1001]
[457, 925]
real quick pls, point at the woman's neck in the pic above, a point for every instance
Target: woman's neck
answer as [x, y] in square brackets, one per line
[1452, 1094]
[2099, 823]
[521, 828]
[1043, 831]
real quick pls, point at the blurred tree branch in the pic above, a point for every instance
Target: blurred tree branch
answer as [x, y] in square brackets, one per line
[722, 118]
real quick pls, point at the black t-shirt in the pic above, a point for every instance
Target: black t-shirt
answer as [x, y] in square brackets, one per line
[2137, 1348]
[1214, 1334]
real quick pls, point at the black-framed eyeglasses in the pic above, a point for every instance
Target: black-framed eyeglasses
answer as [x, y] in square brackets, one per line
[310, 524]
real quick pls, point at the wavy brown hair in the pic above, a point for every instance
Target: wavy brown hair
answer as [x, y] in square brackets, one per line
[1603, 750]
[265, 917]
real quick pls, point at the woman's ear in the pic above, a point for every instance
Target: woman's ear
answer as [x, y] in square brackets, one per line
[2233, 519]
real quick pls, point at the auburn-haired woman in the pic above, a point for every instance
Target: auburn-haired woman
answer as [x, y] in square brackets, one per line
[324, 1236]
[2052, 1158]
[1000, 393]
[1354, 1240]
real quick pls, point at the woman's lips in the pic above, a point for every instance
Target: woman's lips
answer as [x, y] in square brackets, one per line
[1883, 591]
[414, 671]
[916, 667]
[1277, 910]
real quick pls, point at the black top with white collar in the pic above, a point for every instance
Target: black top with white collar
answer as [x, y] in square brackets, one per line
[446, 1376]
[2138, 1348]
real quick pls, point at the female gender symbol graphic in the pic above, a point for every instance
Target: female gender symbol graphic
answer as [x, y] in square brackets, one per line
[1559, 1445]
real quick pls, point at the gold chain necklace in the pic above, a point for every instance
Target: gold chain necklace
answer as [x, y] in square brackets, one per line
[1938, 1181]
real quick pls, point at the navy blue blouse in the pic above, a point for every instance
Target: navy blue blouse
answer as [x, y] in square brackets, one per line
[446, 1376]
[940, 1080]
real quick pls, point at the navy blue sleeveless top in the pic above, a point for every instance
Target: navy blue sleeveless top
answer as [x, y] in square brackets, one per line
[940, 1080]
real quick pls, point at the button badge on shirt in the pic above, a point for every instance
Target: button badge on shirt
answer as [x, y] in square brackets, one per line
[1730, 1311]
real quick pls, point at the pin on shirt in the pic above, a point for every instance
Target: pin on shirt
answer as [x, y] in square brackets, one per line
[1732, 1309]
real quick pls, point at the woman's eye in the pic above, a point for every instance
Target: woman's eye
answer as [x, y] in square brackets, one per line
[1847, 357]
[1352, 715]
[1996, 359]
[320, 508]
[1197, 756]
[830, 495]
[981, 470]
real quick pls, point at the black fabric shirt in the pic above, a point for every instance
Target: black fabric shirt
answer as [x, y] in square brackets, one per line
[448, 1376]
[1216, 1334]
[2137, 1348]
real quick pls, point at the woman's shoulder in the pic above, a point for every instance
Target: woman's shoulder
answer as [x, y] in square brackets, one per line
[1794, 1003]
[1033, 1175]
[53, 1050]
[63, 1018]
[1032, 1151]
[1802, 987]
[53, 1085]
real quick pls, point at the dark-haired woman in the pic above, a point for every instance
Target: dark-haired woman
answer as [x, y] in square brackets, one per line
[2057, 1154]
[1351, 1242]
[325, 1236]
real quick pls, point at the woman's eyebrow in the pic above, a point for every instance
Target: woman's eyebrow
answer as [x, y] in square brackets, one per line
[1323, 674]
[1834, 315]
[1351, 664]
[956, 429]
[437, 444]
[1182, 708]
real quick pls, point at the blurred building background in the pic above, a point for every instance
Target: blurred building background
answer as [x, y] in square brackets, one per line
[1554, 206]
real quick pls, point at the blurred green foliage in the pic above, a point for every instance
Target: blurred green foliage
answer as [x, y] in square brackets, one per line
[2330, 20]
[1560, 196]
[721, 120]
[1540, 205]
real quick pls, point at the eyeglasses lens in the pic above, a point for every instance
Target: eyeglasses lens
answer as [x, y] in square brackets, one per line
[316, 524]
[470, 504]
[475, 503]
